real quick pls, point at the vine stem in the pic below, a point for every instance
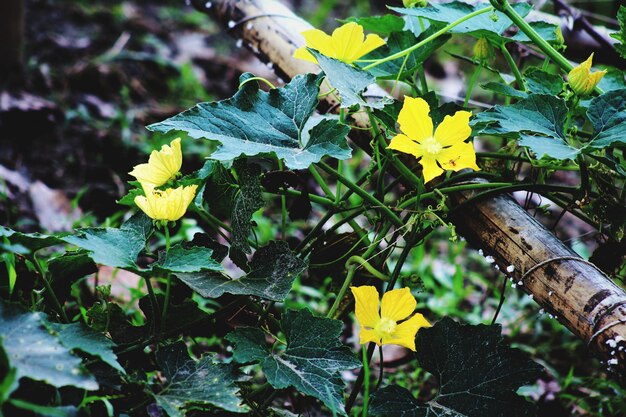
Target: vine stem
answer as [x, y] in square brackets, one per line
[154, 305]
[351, 270]
[366, 377]
[356, 259]
[513, 66]
[471, 84]
[283, 208]
[168, 284]
[50, 290]
[432, 37]
[363, 194]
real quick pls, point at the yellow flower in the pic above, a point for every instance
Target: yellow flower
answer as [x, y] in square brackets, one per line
[582, 80]
[162, 166]
[346, 44]
[385, 328]
[445, 149]
[166, 205]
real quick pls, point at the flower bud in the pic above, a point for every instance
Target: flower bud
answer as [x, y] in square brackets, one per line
[582, 80]
[415, 3]
[559, 42]
[483, 50]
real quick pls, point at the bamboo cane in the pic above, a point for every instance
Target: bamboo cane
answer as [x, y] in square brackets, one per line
[576, 292]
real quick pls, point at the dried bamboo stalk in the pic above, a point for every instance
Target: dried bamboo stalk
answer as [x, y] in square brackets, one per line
[582, 298]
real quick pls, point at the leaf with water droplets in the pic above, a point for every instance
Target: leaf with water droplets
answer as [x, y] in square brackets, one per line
[203, 383]
[37, 354]
[478, 375]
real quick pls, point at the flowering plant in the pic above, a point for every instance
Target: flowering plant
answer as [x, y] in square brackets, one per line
[299, 255]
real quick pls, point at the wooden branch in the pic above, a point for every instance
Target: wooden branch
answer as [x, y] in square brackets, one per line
[581, 297]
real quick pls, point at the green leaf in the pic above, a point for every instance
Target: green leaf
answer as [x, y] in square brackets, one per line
[77, 336]
[248, 200]
[542, 145]
[24, 243]
[383, 25]
[541, 115]
[608, 116]
[114, 247]
[478, 375]
[44, 410]
[37, 354]
[388, 115]
[67, 269]
[621, 34]
[312, 360]
[484, 25]
[250, 344]
[541, 82]
[399, 41]
[182, 259]
[349, 81]
[273, 269]
[504, 89]
[547, 31]
[197, 383]
[254, 122]
[612, 80]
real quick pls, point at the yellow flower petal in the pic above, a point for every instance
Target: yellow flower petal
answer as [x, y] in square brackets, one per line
[162, 165]
[404, 144]
[406, 331]
[454, 129]
[302, 53]
[346, 41]
[398, 304]
[366, 305]
[372, 41]
[346, 44]
[414, 119]
[318, 40]
[582, 80]
[168, 205]
[458, 157]
[430, 169]
[366, 336]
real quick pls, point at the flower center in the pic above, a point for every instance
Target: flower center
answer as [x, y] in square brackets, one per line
[385, 327]
[431, 146]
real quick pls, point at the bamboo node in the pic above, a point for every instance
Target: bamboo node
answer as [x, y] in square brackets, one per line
[558, 258]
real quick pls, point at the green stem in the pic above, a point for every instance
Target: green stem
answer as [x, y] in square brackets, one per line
[397, 163]
[553, 54]
[570, 114]
[513, 66]
[154, 304]
[314, 198]
[283, 207]
[350, 274]
[320, 181]
[168, 282]
[366, 378]
[435, 35]
[338, 185]
[342, 292]
[167, 238]
[356, 259]
[421, 72]
[363, 194]
[44, 278]
[471, 84]
[272, 86]
[453, 189]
